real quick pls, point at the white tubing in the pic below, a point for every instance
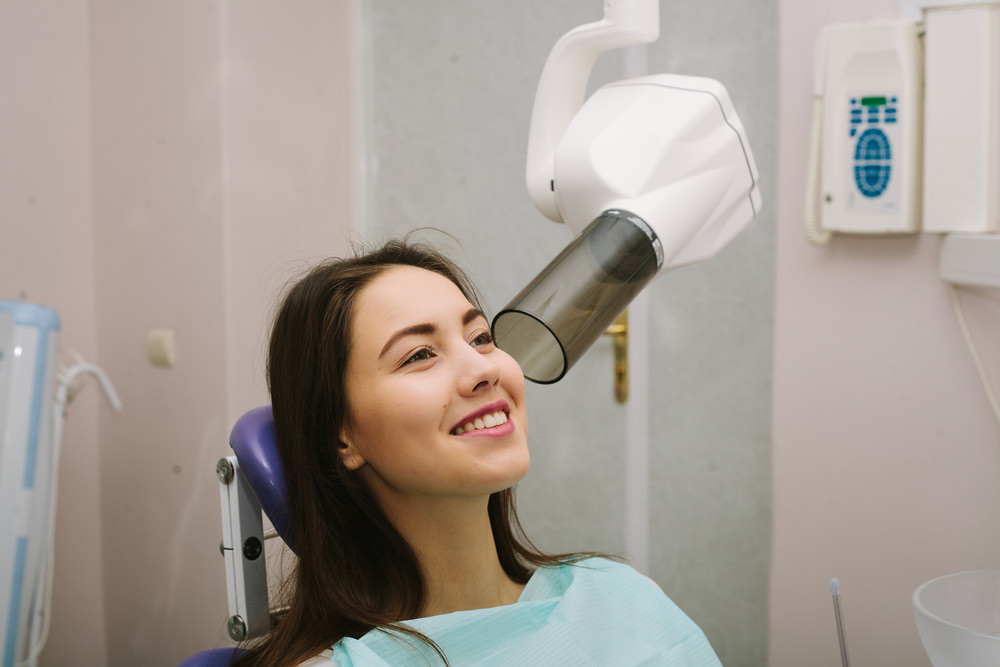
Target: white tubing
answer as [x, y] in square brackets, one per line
[977, 361]
[43, 589]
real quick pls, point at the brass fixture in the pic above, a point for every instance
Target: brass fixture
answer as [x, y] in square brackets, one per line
[619, 338]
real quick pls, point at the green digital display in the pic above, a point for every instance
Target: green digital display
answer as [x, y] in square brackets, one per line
[873, 101]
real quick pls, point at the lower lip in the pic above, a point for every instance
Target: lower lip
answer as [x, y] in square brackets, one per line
[492, 432]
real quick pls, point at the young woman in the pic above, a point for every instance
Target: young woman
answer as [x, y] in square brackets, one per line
[402, 432]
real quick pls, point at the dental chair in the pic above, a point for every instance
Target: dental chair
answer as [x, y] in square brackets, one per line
[251, 480]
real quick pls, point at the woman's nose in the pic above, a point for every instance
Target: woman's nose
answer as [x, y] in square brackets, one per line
[479, 372]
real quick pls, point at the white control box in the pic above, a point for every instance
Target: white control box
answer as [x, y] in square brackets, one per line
[869, 78]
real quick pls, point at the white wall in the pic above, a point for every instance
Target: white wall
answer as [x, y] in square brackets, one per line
[886, 457]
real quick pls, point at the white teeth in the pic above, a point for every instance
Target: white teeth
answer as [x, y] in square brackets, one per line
[497, 418]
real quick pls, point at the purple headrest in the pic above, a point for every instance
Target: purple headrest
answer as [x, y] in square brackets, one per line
[252, 439]
[214, 657]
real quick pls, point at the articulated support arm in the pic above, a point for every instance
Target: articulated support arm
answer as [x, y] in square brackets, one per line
[563, 85]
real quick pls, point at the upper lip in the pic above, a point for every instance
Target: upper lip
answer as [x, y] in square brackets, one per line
[487, 409]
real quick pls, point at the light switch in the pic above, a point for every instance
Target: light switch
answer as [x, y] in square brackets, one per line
[160, 347]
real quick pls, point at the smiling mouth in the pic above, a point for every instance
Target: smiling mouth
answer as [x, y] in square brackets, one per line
[489, 420]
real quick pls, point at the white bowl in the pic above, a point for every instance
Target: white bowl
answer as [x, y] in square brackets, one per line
[958, 618]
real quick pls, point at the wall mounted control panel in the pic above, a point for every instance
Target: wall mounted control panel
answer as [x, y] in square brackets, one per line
[867, 91]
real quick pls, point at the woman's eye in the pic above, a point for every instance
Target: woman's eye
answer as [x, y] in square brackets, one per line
[422, 354]
[484, 338]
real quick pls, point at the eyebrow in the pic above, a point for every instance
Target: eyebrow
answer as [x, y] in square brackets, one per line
[425, 329]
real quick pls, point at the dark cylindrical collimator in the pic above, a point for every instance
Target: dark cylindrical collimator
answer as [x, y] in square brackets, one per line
[566, 308]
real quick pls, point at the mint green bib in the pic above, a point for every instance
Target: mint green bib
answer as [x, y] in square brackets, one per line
[596, 612]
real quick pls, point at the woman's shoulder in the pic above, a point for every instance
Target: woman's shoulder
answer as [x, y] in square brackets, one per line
[610, 600]
[604, 564]
[324, 659]
[602, 568]
[590, 580]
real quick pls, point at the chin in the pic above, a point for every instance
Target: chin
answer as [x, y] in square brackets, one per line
[521, 472]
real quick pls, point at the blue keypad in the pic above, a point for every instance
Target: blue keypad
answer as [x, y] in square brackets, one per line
[872, 162]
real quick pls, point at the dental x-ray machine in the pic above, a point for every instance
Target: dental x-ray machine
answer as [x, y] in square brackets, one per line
[650, 173]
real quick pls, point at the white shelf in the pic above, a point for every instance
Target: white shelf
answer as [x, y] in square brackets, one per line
[971, 259]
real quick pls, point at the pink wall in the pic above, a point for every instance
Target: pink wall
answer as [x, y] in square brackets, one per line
[220, 169]
[159, 219]
[886, 457]
[47, 256]
[164, 165]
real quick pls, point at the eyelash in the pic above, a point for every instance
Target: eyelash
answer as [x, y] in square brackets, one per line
[430, 350]
[482, 334]
[413, 357]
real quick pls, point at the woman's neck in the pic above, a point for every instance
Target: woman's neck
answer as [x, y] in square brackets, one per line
[457, 554]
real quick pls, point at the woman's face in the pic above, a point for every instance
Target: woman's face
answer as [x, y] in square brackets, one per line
[435, 408]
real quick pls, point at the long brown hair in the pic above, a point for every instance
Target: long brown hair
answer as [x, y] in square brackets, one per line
[354, 571]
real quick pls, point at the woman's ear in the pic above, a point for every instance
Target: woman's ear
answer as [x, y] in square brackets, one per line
[349, 454]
